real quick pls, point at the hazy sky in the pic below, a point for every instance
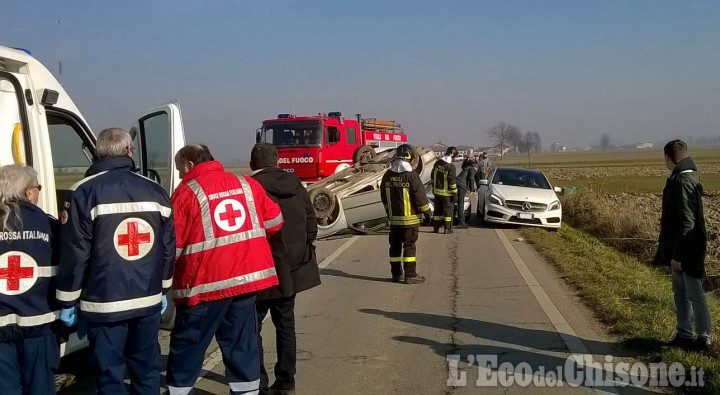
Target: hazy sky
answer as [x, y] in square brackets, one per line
[569, 70]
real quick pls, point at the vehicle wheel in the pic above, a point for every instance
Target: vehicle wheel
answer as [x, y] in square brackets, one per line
[363, 154]
[323, 202]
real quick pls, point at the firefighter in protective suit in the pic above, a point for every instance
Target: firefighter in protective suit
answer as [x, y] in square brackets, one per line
[403, 196]
[445, 190]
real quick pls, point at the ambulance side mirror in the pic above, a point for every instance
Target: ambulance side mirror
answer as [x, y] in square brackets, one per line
[257, 136]
[154, 175]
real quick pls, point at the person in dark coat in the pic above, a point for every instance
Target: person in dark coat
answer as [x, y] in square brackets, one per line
[683, 244]
[466, 184]
[295, 262]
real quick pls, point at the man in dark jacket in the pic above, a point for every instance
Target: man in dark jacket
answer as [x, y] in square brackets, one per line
[295, 262]
[466, 184]
[683, 244]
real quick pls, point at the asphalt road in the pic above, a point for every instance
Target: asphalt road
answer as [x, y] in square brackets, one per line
[359, 333]
[487, 295]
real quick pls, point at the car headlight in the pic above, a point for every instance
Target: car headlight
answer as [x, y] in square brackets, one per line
[554, 206]
[494, 199]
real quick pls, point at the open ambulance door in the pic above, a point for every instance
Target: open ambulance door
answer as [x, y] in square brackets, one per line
[158, 135]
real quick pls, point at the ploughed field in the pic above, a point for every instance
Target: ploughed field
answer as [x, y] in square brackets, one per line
[618, 197]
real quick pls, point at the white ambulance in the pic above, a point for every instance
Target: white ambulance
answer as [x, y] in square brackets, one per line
[40, 126]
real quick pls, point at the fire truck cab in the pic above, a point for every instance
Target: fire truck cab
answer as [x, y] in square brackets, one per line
[315, 147]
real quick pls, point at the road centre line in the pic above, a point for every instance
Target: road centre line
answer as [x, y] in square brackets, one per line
[327, 261]
[215, 357]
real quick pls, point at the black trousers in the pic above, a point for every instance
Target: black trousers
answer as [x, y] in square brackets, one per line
[461, 205]
[282, 313]
[443, 212]
[402, 250]
[131, 343]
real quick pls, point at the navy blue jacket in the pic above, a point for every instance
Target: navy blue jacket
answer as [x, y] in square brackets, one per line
[118, 243]
[27, 274]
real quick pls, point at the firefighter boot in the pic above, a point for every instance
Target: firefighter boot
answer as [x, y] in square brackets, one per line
[396, 271]
[411, 276]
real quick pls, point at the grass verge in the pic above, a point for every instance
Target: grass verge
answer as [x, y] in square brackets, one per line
[633, 299]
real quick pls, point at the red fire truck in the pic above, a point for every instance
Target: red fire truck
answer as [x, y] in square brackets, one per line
[315, 147]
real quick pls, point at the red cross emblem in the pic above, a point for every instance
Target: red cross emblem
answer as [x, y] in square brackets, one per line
[14, 273]
[19, 270]
[229, 215]
[133, 238]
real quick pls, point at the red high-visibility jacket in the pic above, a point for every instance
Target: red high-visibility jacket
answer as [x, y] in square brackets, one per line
[222, 222]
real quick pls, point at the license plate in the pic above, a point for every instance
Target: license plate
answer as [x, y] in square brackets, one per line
[525, 216]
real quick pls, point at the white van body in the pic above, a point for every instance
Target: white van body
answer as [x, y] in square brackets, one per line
[40, 126]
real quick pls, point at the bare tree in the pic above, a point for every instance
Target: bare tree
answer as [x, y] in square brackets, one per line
[537, 142]
[502, 134]
[528, 143]
[605, 141]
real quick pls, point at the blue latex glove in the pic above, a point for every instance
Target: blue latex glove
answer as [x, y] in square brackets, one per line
[69, 316]
[81, 328]
[164, 305]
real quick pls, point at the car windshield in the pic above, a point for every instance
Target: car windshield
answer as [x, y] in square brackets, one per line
[520, 178]
[294, 134]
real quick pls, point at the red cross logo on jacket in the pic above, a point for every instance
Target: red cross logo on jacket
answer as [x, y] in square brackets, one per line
[133, 238]
[18, 272]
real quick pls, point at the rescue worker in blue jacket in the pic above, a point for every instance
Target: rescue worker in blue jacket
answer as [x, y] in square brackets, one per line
[29, 350]
[445, 190]
[117, 260]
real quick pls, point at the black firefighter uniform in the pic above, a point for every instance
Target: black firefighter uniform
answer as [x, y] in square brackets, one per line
[445, 191]
[403, 196]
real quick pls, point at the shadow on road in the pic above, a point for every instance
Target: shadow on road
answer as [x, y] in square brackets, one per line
[340, 273]
[530, 338]
[533, 338]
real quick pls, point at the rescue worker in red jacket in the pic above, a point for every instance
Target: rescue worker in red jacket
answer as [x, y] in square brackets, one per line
[222, 222]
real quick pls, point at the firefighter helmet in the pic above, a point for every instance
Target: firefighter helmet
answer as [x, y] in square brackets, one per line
[451, 152]
[405, 152]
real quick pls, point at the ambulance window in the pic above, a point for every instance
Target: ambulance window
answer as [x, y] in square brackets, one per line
[350, 136]
[69, 154]
[332, 135]
[10, 124]
[156, 138]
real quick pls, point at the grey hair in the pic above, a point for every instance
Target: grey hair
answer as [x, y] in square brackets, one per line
[113, 142]
[14, 181]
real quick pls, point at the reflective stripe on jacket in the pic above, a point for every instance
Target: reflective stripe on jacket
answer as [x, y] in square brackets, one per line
[403, 196]
[443, 176]
[222, 223]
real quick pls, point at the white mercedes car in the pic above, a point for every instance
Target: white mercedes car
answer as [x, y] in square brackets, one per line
[519, 196]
